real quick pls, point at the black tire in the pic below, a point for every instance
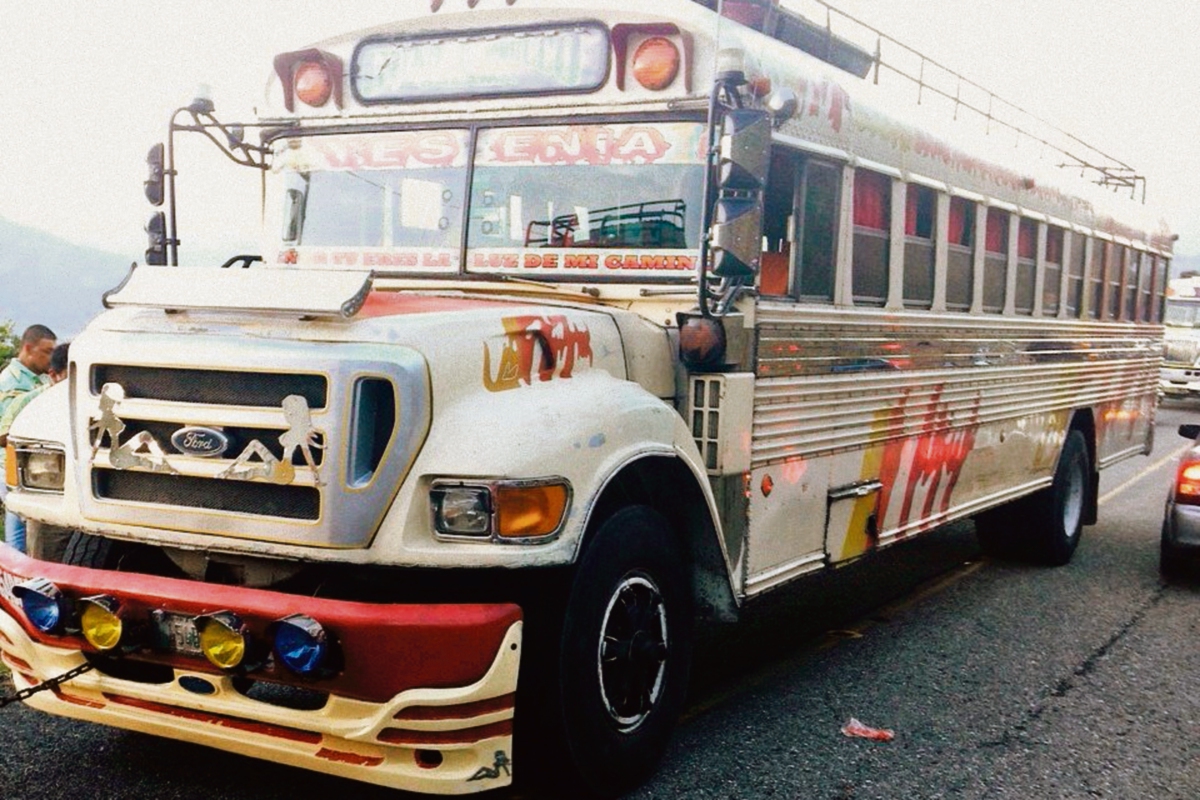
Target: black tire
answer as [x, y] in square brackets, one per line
[1172, 561]
[96, 552]
[625, 653]
[1056, 520]
[1044, 527]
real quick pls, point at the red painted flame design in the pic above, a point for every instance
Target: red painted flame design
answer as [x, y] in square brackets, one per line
[935, 455]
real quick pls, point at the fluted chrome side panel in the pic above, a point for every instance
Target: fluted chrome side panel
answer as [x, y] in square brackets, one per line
[832, 380]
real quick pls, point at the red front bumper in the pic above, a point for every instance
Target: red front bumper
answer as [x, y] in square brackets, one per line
[423, 699]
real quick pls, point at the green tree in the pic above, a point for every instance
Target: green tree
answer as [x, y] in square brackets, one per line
[10, 343]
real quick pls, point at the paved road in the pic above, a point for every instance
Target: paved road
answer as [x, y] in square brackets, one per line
[1000, 680]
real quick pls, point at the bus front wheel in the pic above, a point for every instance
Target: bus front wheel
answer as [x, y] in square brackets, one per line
[625, 651]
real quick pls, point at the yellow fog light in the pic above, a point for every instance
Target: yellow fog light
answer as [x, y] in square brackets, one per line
[530, 510]
[101, 622]
[222, 639]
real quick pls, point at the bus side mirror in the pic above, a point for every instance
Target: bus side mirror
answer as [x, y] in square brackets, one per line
[745, 154]
[154, 181]
[156, 235]
[1189, 431]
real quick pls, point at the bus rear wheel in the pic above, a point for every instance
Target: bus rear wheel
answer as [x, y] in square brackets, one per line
[625, 652]
[1044, 527]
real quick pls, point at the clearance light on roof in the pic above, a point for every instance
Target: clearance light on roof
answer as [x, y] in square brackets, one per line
[656, 63]
[313, 84]
[311, 75]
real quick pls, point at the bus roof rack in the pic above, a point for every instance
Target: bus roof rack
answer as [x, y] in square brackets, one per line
[861, 49]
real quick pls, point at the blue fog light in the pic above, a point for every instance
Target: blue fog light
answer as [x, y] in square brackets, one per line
[301, 644]
[42, 603]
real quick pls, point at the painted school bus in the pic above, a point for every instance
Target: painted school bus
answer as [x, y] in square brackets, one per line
[574, 326]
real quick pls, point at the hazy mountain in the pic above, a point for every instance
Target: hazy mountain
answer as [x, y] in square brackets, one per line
[47, 280]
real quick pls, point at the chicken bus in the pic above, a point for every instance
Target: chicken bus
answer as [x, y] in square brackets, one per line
[576, 326]
[1181, 343]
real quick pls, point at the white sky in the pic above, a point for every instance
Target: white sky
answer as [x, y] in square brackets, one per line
[87, 87]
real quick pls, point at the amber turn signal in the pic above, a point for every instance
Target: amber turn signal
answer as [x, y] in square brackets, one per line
[536, 510]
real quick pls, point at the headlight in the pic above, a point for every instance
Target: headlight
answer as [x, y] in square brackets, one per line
[519, 510]
[462, 510]
[41, 470]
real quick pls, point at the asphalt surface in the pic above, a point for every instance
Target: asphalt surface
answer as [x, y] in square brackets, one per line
[999, 680]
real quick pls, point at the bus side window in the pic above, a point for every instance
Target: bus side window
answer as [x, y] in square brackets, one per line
[1074, 296]
[1052, 285]
[820, 190]
[1146, 288]
[1099, 265]
[1133, 266]
[778, 223]
[1160, 289]
[960, 268]
[872, 235]
[1116, 268]
[995, 262]
[1026, 265]
[920, 204]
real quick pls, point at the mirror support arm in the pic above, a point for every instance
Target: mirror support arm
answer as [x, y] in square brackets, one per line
[234, 147]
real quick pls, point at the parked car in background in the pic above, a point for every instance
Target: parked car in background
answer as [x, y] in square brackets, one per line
[1181, 523]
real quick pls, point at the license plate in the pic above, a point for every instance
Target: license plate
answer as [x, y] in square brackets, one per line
[176, 632]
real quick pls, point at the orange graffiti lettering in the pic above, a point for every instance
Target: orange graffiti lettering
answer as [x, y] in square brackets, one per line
[555, 340]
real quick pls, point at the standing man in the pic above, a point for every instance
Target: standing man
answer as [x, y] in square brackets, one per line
[23, 374]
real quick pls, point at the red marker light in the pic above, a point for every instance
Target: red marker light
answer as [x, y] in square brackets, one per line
[656, 63]
[701, 343]
[313, 84]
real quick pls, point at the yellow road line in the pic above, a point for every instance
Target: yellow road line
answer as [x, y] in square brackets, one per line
[1111, 493]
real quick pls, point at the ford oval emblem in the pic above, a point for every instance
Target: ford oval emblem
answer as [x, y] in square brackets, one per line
[195, 440]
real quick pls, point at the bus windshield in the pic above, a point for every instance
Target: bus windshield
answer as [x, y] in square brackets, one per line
[552, 202]
[579, 199]
[1181, 315]
[391, 201]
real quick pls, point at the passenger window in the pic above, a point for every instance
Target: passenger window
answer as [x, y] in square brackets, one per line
[1160, 289]
[1075, 274]
[918, 246]
[1054, 266]
[872, 226]
[1099, 266]
[1026, 266]
[995, 261]
[821, 190]
[1146, 288]
[778, 223]
[960, 267]
[1133, 266]
[1114, 279]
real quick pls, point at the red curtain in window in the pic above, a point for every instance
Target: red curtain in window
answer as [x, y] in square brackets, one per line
[958, 221]
[872, 193]
[997, 231]
[1027, 239]
[1054, 242]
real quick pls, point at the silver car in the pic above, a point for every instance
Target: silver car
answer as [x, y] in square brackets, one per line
[1181, 523]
